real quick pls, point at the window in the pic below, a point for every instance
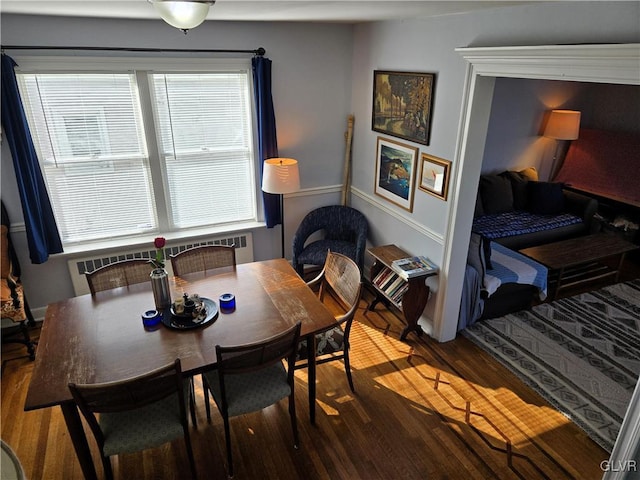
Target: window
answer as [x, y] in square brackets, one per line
[135, 152]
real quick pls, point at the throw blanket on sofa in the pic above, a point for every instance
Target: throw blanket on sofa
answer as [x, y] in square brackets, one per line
[508, 267]
[513, 267]
[499, 225]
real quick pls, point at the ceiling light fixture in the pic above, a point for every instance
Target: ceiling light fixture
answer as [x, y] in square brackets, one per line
[182, 14]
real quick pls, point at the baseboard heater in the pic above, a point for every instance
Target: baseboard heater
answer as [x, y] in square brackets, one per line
[78, 267]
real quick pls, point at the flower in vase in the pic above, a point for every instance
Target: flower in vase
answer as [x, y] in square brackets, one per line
[159, 243]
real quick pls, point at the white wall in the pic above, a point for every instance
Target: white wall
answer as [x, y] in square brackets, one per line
[428, 46]
[311, 92]
[520, 107]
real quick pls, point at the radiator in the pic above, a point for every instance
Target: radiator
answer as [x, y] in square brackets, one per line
[79, 266]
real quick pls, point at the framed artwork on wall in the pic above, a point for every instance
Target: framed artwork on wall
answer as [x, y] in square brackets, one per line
[396, 172]
[402, 104]
[434, 176]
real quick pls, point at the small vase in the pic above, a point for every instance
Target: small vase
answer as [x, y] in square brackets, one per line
[160, 286]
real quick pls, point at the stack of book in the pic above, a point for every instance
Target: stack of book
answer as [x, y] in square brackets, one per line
[392, 284]
[413, 267]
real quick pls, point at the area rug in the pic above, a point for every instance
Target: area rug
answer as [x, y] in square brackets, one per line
[581, 353]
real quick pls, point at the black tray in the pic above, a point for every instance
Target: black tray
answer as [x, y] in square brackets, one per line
[183, 322]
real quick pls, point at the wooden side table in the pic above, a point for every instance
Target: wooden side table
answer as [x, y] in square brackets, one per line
[415, 292]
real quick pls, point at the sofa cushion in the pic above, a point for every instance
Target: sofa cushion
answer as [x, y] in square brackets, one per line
[546, 198]
[496, 193]
[519, 188]
[530, 174]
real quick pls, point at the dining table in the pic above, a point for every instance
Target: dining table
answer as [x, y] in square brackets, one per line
[101, 338]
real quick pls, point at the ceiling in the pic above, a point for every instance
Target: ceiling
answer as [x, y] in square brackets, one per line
[344, 11]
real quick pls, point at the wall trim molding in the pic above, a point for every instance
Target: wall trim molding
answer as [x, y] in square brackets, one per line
[418, 227]
[611, 63]
[606, 63]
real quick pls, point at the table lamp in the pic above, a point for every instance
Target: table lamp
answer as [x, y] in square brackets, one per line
[280, 176]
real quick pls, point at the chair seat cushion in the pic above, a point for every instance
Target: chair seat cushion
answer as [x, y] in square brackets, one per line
[142, 428]
[327, 342]
[250, 392]
[9, 310]
[316, 252]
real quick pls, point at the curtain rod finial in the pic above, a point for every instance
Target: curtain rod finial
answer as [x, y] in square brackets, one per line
[260, 51]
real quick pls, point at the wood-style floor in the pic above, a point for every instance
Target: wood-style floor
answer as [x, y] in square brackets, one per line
[421, 410]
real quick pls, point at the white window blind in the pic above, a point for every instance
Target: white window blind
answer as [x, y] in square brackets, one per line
[205, 141]
[88, 131]
[91, 130]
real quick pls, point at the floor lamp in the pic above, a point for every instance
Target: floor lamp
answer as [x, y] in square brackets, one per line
[280, 176]
[562, 125]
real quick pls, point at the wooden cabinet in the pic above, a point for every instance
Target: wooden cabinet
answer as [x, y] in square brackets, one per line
[409, 296]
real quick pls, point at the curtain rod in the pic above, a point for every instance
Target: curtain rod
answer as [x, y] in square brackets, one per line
[259, 51]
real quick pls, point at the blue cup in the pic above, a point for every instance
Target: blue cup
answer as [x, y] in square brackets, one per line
[151, 318]
[227, 302]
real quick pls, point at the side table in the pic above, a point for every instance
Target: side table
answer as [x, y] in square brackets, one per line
[409, 296]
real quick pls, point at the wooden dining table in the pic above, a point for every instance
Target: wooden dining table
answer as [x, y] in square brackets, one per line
[101, 338]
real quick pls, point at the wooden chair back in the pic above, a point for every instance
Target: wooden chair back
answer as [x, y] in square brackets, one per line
[342, 276]
[250, 357]
[203, 258]
[119, 274]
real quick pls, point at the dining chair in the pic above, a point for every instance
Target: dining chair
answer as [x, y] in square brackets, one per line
[203, 258]
[119, 274]
[16, 315]
[251, 377]
[137, 413]
[340, 277]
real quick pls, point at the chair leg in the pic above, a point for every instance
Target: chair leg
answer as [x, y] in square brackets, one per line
[192, 402]
[106, 465]
[227, 437]
[347, 367]
[187, 443]
[294, 420]
[205, 387]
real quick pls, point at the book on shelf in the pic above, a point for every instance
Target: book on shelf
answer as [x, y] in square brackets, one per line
[413, 267]
[391, 288]
[381, 278]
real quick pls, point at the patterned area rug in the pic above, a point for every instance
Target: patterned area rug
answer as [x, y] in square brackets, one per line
[581, 353]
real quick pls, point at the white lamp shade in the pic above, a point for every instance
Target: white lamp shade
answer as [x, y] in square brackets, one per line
[182, 14]
[280, 175]
[563, 125]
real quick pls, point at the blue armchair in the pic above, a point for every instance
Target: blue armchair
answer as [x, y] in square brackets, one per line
[344, 231]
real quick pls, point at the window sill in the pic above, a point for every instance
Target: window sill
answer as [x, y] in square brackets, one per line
[146, 241]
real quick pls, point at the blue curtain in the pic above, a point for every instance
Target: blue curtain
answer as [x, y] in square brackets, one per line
[42, 232]
[267, 142]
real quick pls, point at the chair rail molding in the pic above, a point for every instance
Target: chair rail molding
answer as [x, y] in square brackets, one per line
[418, 227]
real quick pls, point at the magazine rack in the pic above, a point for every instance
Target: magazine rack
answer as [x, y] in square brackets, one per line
[408, 296]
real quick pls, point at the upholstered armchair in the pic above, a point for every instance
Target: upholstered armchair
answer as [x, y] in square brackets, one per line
[16, 315]
[342, 229]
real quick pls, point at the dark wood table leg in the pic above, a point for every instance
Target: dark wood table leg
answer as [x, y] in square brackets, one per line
[79, 439]
[620, 262]
[311, 373]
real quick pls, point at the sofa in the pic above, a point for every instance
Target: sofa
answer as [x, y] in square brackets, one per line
[516, 210]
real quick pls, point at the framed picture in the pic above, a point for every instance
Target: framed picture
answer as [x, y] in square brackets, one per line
[434, 176]
[396, 172]
[402, 104]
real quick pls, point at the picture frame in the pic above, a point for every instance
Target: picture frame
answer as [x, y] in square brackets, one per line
[402, 104]
[396, 172]
[434, 176]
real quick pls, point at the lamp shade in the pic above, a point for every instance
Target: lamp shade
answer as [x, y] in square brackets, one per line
[563, 125]
[280, 175]
[182, 14]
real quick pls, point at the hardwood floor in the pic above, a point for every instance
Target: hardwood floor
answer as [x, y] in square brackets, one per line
[421, 410]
